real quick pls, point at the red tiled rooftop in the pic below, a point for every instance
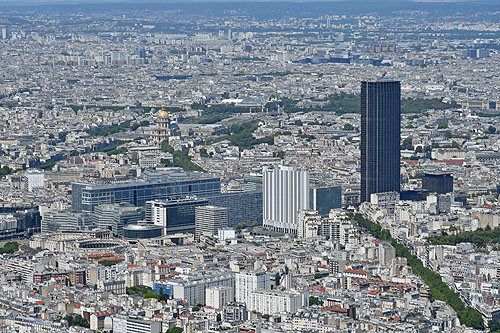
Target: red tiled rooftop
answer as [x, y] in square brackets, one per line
[357, 271]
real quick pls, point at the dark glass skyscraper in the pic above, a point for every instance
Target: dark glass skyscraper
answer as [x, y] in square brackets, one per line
[440, 183]
[380, 137]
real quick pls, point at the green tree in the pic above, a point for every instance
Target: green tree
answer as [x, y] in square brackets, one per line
[494, 325]
[9, 247]
[181, 158]
[315, 301]
[77, 321]
[241, 135]
[5, 170]
[175, 330]
[139, 290]
[492, 129]
[110, 262]
[443, 125]
[348, 127]
[407, 144]
[467, 315]
[203, 152]
[162, 296]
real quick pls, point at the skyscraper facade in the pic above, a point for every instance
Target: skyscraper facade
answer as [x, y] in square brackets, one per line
[285, 193]
[209, 219]
[380, 137]
[116, 216]
[440, 183]
[325, 198]
[175, 216]
[243, 207]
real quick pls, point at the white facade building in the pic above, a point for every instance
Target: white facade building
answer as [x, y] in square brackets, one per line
[271, 302]
[33, 179]
[385, 199]
[135, 325]
[309, 224]
[194, 290]
[209, 220]
[225, 234]
[285, 193]
[249, 281]
[217, 297]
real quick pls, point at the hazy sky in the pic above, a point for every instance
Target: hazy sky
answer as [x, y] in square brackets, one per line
[355, 2]
[184, 1]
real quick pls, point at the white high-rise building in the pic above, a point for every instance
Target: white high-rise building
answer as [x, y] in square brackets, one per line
[273, 301]
[249, 281]
[285, 193]
[217, 297]
[33, 179]
[209, 220]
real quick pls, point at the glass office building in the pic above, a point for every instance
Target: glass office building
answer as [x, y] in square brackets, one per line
[440, 183]
[116, 216]
[325, 198]
[174, 216]
[66, 221]
[252, 182]
[243, 207]
[86, 197]
[380, 137]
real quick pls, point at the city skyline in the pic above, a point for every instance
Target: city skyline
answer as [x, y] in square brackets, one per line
[301, 166]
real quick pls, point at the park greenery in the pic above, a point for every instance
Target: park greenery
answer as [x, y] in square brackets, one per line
[241, 135]
[215, 113]
[147, 292]
[438, 289]
[418, 105]
[443, 125]
[494, 325]
[315, 301]
[143, 291]
[109, 150]
[9, 247]
[479, 238]
[407, 144]
[111, 262]
[5, 170]
[77, 321]
[47, 166]
[181, 159]
[175, 330]
[339, 103]
[349, 103]
[348, 127]
[121, 127]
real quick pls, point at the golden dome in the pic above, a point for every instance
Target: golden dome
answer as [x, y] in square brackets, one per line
[163, 113]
